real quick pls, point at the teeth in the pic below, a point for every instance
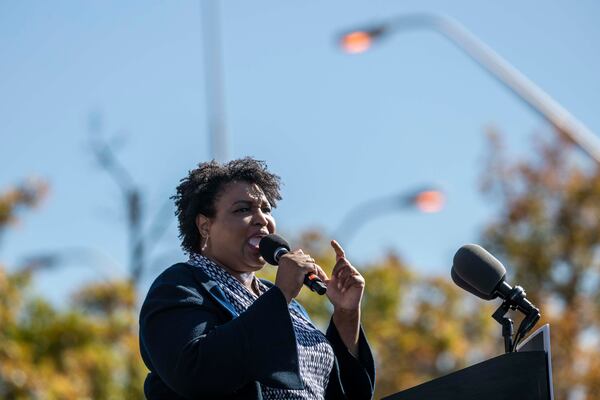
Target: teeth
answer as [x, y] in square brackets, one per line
[254, 241]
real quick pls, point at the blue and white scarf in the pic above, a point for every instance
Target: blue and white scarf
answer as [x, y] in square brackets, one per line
[315, 354]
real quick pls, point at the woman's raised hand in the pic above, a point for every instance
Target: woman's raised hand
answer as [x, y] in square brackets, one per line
[345, 290]
[346, 286]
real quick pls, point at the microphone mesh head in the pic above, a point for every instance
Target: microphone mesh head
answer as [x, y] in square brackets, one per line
[478, 269]
[464, 285]
[269, 244]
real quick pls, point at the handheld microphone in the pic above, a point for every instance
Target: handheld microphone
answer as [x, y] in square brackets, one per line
[272, 247]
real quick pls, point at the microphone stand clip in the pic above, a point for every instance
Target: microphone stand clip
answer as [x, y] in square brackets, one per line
[515, 301]
[507, 325]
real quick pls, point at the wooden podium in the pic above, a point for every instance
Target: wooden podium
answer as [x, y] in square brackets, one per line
[523, 375]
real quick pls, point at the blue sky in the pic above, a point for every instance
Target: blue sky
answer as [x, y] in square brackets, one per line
[339, 129]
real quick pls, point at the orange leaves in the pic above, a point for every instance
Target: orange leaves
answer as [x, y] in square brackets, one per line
[29, 194]
[548, 231]
[88, 350]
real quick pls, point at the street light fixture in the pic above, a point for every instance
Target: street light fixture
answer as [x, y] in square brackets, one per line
[358, 41]
[425, 200]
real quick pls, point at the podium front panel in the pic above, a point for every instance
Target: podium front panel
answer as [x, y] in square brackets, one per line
[512, 376]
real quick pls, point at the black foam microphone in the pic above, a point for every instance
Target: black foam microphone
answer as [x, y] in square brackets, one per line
[464, 285]
[477, 271]
[272, 247]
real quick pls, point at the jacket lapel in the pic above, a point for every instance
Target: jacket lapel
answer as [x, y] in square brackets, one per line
[214, 291]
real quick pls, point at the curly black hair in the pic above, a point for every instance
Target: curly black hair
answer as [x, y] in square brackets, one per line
[198, 191]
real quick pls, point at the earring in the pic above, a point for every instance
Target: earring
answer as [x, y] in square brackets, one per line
[205, 244]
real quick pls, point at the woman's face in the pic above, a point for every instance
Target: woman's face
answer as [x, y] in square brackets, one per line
[242, 218]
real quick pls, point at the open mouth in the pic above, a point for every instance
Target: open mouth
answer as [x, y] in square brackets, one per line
[254, 241]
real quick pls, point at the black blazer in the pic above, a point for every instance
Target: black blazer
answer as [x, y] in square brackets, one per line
[197, 346]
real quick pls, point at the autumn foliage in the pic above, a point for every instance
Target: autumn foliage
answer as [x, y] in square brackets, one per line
[548, 230]
[86, 350]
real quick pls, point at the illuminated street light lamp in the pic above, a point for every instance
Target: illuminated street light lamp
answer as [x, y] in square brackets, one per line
[426, 200]
[360, 40]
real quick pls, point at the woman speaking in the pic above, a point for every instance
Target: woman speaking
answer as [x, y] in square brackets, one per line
[209, 329]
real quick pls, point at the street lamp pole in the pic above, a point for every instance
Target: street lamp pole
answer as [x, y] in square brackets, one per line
[359, 40]
[427, 200]
[214, 81]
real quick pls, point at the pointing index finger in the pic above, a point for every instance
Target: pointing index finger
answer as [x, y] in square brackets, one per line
[339, 252]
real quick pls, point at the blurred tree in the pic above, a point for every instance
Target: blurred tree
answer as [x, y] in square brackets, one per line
[13, 200]
[548, 232]
[88, 350]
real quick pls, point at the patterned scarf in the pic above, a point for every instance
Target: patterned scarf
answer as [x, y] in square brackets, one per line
[314, 351]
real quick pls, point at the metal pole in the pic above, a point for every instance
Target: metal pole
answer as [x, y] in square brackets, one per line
[361, 213]
[503, 71]
[214, 82]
